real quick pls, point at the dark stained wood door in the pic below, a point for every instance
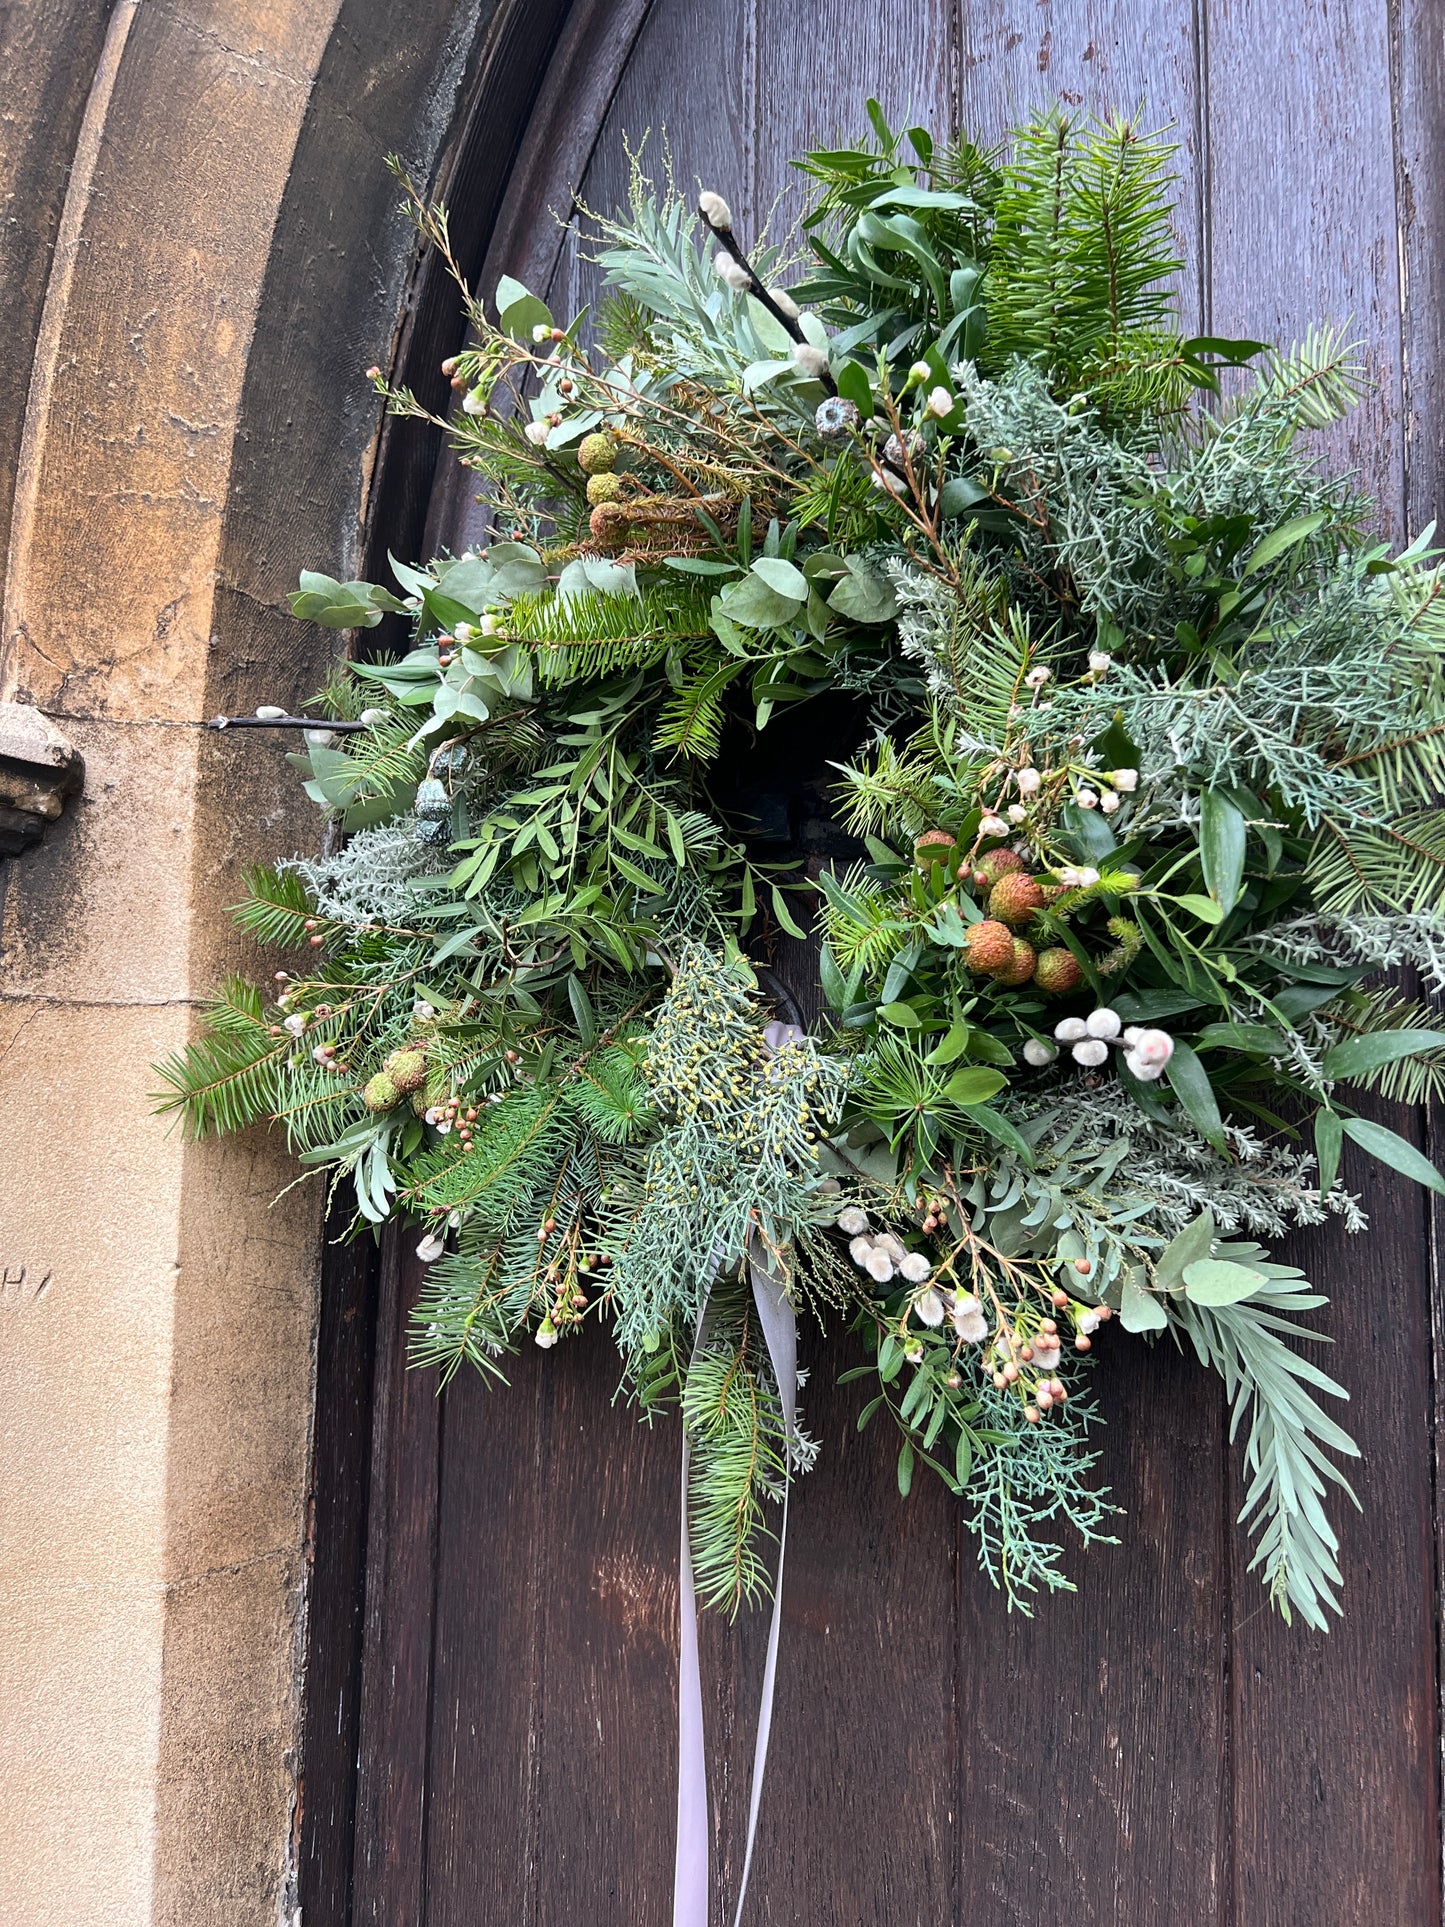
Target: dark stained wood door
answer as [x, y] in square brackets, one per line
[1157, 1748]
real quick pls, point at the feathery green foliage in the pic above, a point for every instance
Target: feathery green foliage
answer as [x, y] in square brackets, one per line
[1149, 785]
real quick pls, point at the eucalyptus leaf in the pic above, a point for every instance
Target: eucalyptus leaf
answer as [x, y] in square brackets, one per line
[1218, 1281]
[1140, 1310]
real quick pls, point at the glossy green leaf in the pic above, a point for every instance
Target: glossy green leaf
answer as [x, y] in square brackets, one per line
[974, 1085]
[952, 1047]
[1329, 1137]
[1222, 839]
[1189, 1082]
[1357, 1056]
[1288, 535]
[1205, 908]
[1194, 1242]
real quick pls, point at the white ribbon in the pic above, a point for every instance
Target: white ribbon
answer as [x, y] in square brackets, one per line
[690, 1877]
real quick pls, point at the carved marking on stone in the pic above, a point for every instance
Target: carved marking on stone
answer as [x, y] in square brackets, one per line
[22, 1285]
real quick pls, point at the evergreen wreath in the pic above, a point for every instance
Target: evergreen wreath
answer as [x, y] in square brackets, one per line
[1151, 733]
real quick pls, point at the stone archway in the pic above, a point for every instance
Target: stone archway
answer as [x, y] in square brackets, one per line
[203, 256]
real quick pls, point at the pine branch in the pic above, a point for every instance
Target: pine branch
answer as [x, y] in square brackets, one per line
[229, 1077]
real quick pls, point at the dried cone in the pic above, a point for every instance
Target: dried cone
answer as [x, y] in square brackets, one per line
[1015, 899]
[1022, 967]
[934, 846]
[380, 1093]
[406, 1069]
[1057, 972]
[609, 523]
[988, 946]
[596, 455]
[994, 864]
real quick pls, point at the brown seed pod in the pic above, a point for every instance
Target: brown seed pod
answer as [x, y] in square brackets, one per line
[988, 946]
[609, 523]
[934, 846]
[1022, 966]
[994, 864]
[1057, 972]
[605, 487]
[1015, 898]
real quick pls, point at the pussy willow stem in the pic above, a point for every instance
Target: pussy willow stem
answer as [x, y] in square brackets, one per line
[729, 244]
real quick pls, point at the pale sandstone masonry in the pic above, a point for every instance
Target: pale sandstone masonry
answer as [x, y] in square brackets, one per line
[156, 1310]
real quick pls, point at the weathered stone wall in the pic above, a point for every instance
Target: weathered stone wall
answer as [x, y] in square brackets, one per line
[202, 255]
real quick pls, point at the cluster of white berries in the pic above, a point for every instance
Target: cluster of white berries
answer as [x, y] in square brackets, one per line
[1121, 782]
[1146, 1052]
[1106, 791]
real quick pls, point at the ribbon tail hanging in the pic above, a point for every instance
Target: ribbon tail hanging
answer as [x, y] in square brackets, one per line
[690, 1888]
[780, 1330]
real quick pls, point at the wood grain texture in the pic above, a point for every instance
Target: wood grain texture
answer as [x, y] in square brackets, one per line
[1078, 1804]
[490, 1665]
[392, 1798]
[336, 1553]
[1095, 57]
[533, 238]
[1156, 1748]
[1336, 1739]
[1302, 201]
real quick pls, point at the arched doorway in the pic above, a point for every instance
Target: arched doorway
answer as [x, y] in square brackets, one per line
[501, 1648]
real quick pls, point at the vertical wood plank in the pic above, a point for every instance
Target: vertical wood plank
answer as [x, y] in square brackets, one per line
[1102, 56]
[859, 1817]
[487, 1824]
[1337, 1734]
[1095, 1724]
[593, 46]
[1094, 1735]
[340, 1487]
[686, 99]
[607, 1737]
[1302, 201]
[1418, 86]
[817, 66]
[1335, 1806]
[389, 1879]
[1418, 81]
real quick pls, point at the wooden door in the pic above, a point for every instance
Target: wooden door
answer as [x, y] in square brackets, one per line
[496, 1604]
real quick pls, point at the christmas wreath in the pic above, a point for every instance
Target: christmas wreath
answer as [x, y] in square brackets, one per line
[1145, 734]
